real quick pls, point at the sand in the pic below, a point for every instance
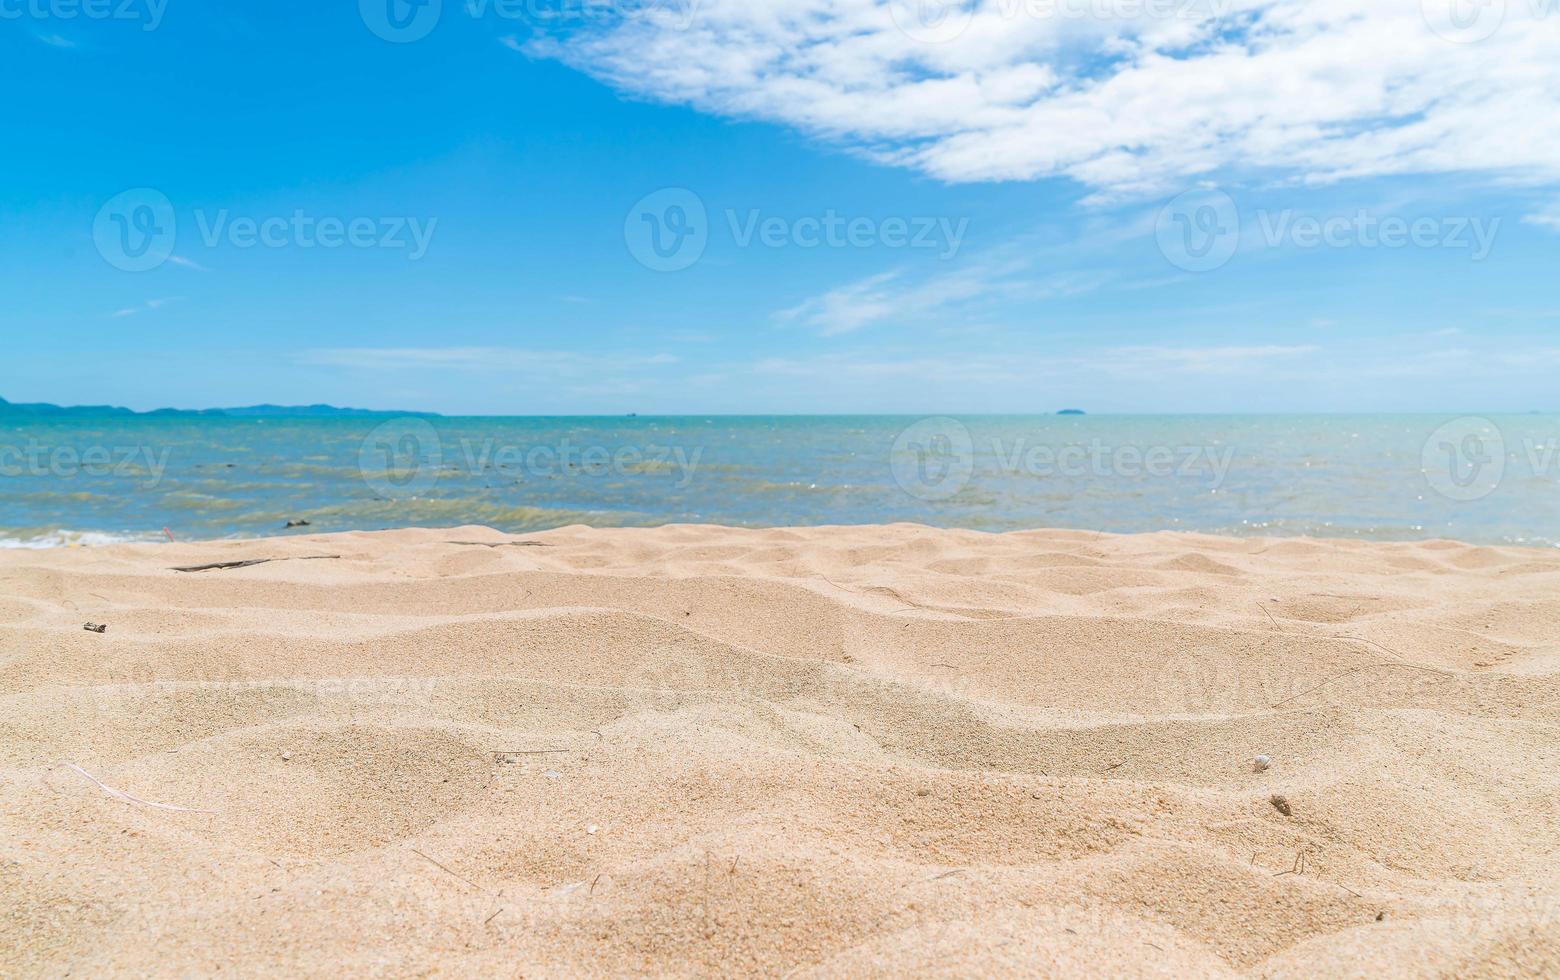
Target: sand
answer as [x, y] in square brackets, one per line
[826, 752]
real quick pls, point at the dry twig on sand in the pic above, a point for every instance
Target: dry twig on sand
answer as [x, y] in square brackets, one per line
[1355, 670]
[122, 795]
[447, 871]
[245, 564]
[507, 758]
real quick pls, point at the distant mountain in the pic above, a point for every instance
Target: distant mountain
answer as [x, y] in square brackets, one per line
[44, 410]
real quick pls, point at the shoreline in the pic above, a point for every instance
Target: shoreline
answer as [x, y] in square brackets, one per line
[109, 539]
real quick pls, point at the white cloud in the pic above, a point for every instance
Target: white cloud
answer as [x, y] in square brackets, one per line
[1548, 217]
[151, 304]
[860, 368]
[1191, 371]
[894, 297]
[1115, 94]
[1141, 361]
[484, 359]
[1188, 365]
[847, 307]
[1136, 362]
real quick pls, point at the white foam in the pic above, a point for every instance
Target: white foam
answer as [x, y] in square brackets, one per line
[74, 539]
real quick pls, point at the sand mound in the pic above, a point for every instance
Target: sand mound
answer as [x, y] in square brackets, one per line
[830, 752]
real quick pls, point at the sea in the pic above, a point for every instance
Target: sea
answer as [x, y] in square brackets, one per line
[1482, 479]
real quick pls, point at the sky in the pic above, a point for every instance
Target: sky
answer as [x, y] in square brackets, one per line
[782, 206]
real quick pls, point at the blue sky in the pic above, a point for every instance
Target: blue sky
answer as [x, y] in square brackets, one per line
[1033, 214]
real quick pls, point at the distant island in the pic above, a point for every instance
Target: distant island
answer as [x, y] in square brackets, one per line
[310, 411]
[1072, 411]
[45, 410]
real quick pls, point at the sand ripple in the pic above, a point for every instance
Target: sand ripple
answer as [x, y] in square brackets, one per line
[829, 752]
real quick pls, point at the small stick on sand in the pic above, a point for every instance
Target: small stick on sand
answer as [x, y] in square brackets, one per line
[1388, 650]
[447, 870]
[122, 795]
[245, 564]
[1338, 677]
[1297, 869]
[1232, 823]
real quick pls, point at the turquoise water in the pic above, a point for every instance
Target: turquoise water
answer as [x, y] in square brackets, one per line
[1491, 480]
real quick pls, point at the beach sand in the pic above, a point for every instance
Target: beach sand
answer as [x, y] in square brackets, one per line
[821, 752]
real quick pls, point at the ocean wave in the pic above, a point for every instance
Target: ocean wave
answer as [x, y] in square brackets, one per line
[73, 539]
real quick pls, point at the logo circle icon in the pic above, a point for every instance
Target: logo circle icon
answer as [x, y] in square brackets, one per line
[401, 458]
[136, 230]
[1465, 459]
[933, 459]
[667, 231]
[401, 21]
[931, 21]
[1464, 21]
[1199, 230]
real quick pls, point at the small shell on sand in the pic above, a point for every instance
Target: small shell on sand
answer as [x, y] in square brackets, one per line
[1262, 763]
